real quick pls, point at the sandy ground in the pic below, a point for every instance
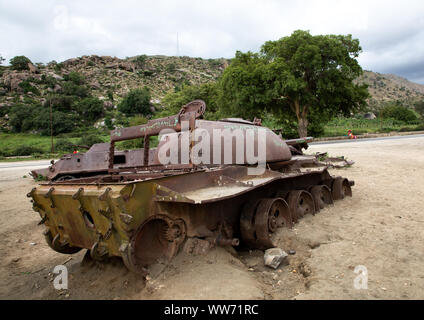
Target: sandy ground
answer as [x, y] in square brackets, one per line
[380, 228]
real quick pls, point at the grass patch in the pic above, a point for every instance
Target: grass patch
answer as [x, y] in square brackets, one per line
[340, 126]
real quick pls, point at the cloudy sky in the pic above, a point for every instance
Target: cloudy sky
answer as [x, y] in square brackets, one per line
[391, 32]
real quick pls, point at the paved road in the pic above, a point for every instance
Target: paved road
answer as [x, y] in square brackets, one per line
[24, 164]
[45, 163]
[369, 139]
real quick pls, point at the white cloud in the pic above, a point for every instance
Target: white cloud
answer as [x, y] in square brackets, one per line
[390, 31]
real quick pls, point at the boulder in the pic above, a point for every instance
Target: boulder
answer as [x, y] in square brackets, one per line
[32, 68]
[13, 79]
[54, 75]
[108, 105]
[273, 257]
[95, 85]
[369, 116]
[127, 66]
[70, 62]
[57, 88]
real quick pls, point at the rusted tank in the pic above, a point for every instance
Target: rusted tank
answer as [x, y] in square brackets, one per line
[128, 203]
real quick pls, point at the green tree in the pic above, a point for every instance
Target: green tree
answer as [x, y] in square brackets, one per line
[419, 108]
[62, 122]
[21, 118]
[137, 101]
[72, 89]
[89, 140]
[75, 77]
[20, 63]
[90, 109]
[207, 92]
[1, 59]
[140, 61]
[302, 77]
[397, 112]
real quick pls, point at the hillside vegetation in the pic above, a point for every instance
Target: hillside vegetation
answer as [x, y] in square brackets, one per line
[90, 95]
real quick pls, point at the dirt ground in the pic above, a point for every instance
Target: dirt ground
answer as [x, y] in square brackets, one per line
[380, 227]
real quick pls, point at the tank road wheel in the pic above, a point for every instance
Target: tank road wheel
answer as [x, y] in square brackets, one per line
[98, 253]
[156, 241]
[56, 245]
[322, 196]
[300, 203]
[261, 217]
[341, 188]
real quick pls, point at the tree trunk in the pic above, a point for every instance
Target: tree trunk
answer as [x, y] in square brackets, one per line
[302, 127]
[302, 121]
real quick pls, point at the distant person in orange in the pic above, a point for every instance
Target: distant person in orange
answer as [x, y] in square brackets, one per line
[75, 151]
[350, 134]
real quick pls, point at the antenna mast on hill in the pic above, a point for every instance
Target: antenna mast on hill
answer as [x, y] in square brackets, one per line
[178, 47]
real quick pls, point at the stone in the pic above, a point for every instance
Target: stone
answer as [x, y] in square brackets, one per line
[195, 246]
[95, 85]
[32, 68]
[369, 115]
[108, 105]
[57, 88]
[56, 76]
[273, 257]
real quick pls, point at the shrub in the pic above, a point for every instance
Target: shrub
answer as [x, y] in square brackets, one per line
[398, 113]
[61, 122]
[419, 108]
[89, 140]
[21, 118]
[64, 145]
[72, 89]
[137, 120]
[110, 95]
[90, 108]
[60, 103]
[170, 67]
[20, 63]
[137, 101]
[75, 77]
[28, 87]
[109, 123]
[140, 61]
[25, 150]
[48, 80]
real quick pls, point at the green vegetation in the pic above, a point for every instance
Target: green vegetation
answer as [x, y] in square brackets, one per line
[207, 92]
[419, 108]
[23, 144]
[19, 63]
[140, 61]
[302, 77]
[340, 126]
[399, 113]
[301, 84]
[137, 101]
[301, 80]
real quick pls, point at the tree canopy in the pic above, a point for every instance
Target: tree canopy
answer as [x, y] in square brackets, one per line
[137, 101]
[301, 77]
[419, 108]
[19, 63]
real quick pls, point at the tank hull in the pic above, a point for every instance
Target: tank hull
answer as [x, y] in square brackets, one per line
[111, 219]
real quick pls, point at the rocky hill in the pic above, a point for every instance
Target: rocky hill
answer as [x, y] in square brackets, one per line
[110, 76]
[389, 87]
[105, 73]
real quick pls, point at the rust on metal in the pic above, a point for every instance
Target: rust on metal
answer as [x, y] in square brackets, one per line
[126, 203]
